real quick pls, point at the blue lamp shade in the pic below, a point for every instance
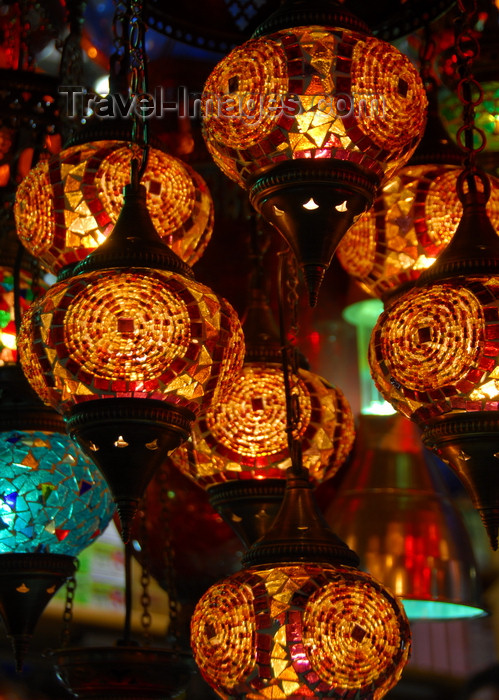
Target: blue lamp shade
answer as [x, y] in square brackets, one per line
[52, 498]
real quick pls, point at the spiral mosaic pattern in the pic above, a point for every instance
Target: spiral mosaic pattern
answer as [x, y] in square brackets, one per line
[244, 435]
[52, 498]
[435, 350]
[303, 630]
[242, 91]
[126, 331]
[141, 334]
[314, 93]
[410, 223]
[387, 98]
[67, 206]
[223, 633]
[353, 634]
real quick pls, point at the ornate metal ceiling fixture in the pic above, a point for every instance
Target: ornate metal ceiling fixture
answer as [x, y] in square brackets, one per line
[219, 25]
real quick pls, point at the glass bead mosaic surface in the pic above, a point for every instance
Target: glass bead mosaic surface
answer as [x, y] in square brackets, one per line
[67, 206]
[130, 334]
[52, 498]
[408, 226]
[300, 631]
[435, 351]
[244, 435]
[309, 93]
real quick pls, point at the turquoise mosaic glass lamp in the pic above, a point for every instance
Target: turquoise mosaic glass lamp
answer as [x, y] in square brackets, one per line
[53, 504]
[52, 499]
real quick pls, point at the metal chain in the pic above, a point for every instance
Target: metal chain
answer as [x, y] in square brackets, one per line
[145, 580]
[138, 78]
[288, 296]
[292, 299]
[469, 91]
[119, 60]
[168, 557]
[67, 616]
[71, 67]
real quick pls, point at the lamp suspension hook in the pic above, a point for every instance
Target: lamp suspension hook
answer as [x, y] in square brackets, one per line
[470, 137]
[138, 80]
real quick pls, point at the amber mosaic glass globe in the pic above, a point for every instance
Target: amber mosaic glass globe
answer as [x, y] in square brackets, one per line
[435, 350]
[297, 631]
[67, 206]
[408, 226]
[244, 435]
[130, 333]
[313, 93]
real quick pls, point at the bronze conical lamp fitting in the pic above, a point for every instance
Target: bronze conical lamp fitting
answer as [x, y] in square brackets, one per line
[151, 428]
[27, 584]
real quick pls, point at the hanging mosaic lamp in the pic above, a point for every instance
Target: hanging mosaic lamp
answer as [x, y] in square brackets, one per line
[433, 351]
[300, 620]
[67, 206]
[413, 218]
[434, 354]
[129, 349]
[53, 504]
[311, 116]
[393, 509]
[238, 447]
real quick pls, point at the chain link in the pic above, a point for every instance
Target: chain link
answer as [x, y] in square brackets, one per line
[67, 616]
[138, 78]
[168, 557]
[119, 62]
[469, 90]
[145, 601]
[288, 297]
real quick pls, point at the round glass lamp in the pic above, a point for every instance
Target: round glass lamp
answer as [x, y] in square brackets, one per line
[67, 206]
[53, 499]
[300, 631]
[53, 504]
[238, 449]
[311, 116]
[130, 333]
[410, 223]
[243, 436]
[129, 349]
[300, 620]
[434, 356]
